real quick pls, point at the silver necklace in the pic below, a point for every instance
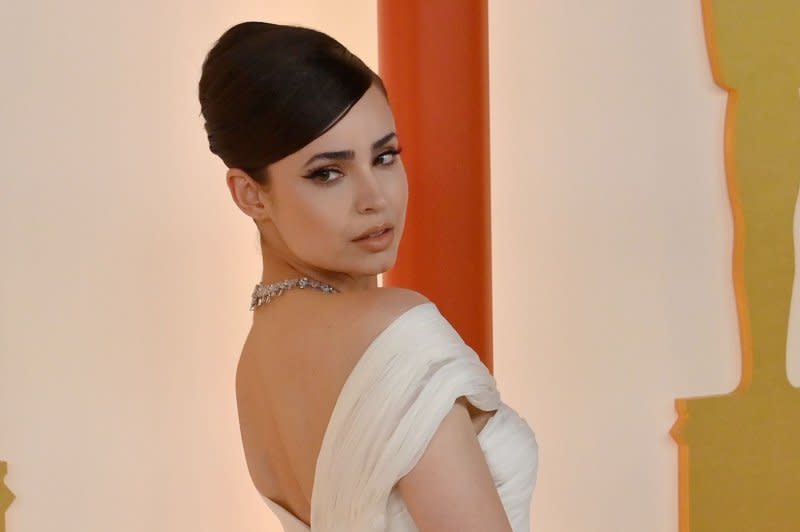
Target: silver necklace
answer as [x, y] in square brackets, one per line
[263, 293]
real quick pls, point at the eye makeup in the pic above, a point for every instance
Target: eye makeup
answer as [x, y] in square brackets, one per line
[322, 174]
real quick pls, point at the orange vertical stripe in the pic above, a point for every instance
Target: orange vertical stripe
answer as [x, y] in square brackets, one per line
[433, 58]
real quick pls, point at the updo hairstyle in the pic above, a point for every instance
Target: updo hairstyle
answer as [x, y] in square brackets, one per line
[267, 90]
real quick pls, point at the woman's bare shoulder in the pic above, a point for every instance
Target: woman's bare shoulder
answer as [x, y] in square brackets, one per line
[369, 312]
[356, 319]
[388, 298]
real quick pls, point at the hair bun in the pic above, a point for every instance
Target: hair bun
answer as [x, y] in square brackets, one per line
[266, 90]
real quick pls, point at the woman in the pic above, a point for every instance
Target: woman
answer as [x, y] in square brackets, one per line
[361, 408]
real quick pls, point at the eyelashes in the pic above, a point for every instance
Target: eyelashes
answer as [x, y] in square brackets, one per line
[323, 175]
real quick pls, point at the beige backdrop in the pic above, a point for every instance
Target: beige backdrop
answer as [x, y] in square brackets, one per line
[127, 269]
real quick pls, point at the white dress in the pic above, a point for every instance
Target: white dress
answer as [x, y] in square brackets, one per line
[387, 412]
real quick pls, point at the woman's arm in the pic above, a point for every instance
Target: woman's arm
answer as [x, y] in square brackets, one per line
[451, 487]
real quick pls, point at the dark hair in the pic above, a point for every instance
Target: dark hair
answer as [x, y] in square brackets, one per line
[267, 90]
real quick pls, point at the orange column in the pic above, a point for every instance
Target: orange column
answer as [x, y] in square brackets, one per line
[433, 58]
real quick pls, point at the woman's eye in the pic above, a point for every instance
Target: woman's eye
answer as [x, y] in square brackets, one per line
[323, 175]
[394, 153]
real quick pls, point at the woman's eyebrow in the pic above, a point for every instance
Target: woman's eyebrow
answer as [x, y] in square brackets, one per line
[349, 154]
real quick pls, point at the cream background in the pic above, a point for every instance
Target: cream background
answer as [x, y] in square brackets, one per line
[127, 269]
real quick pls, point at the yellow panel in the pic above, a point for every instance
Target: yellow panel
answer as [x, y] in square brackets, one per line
[740, 453]
[5, 496]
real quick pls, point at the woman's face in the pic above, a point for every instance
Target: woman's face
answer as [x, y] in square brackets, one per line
[346, 182]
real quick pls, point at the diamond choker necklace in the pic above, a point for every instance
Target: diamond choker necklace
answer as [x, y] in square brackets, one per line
[263, 293]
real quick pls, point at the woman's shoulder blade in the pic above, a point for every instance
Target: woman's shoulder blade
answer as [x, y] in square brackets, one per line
[357, 321]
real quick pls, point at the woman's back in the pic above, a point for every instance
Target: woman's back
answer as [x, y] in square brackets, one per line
[291, 372]
[295, 360]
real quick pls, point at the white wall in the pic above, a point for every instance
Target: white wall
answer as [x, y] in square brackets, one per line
[612, 244]
[126, 268]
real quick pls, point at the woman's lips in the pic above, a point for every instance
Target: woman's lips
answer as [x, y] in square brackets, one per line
[378, 242]
[375, 232]
[374, 235]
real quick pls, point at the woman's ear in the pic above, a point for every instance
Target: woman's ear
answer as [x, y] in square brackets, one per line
[252, 198]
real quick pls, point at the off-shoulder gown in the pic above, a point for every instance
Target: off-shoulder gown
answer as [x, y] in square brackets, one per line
[387, 412]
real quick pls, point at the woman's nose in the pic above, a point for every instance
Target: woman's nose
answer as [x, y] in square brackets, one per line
[370, 192]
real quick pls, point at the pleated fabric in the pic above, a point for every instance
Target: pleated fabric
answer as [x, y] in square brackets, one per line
[387, 412]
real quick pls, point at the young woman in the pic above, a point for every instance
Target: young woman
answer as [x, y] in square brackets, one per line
[361, 408]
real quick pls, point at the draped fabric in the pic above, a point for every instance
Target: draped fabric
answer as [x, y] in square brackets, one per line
[387, 412]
